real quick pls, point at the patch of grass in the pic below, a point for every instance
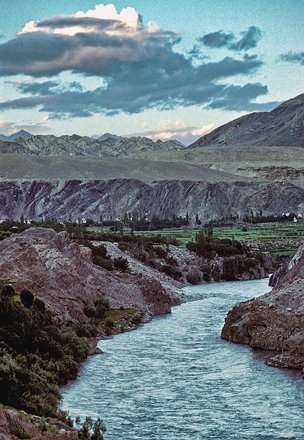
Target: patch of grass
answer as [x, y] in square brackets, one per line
[116, 315]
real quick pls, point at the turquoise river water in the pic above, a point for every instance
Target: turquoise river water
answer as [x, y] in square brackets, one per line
[175, 379]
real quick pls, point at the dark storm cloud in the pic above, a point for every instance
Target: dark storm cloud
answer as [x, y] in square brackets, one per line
[249, 39]
[139, 69]
[136, 87]
[240, 98]
[293, 57]
[217, 39]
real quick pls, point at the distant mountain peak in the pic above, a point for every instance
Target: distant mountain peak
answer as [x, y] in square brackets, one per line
[283, 126]
[106, 136]
[19, 134]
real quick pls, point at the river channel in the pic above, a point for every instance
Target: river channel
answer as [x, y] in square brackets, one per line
[175, 379]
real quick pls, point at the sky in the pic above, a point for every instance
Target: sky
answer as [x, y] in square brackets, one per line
[171, 69]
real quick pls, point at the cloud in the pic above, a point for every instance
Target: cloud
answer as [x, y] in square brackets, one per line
[240, 98]
[137, 65]
[249, 39]
[7, 128]
[217, 39]
[176, 130]
[293, 57]
[101, 16]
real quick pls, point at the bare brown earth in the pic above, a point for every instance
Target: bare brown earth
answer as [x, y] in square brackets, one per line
[270, 163]
[274, 321]
[23, 167]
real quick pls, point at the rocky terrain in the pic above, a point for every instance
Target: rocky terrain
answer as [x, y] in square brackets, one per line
[266, 146]
[112, 199]
[282, 126]
[61, 273]
[16, 424]
[274, 321]
[74, 145]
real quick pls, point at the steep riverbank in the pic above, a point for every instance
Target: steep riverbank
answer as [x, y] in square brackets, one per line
[274, 321]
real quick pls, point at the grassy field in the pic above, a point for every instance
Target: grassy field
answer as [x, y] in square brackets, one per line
[277, 238]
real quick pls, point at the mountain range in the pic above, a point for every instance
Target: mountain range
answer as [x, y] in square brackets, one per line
[22, 134]
[75, 145]
[255, 162]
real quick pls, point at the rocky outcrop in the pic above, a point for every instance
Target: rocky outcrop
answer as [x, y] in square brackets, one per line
[282, 126]
[274, 321]
[15, 424]
[61, 273]
[112, 199]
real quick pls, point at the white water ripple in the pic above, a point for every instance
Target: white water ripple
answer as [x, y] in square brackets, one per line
[175, 379]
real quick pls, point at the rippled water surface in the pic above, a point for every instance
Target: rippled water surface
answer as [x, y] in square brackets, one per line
[175, 379]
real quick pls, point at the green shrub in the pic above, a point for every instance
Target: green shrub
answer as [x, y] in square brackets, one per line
[8, 290]
[216, 275]
[123, 246]
[27, 298]
[172, 261]
[171, 271]
[160, 252]
[109, 323]
[137, 319]
[121, 263]
[194, 277]
[103, 262]
[37, 355]
[39, 305]
[206, 277]
[96, 309]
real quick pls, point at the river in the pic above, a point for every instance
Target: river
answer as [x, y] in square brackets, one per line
[175, 379]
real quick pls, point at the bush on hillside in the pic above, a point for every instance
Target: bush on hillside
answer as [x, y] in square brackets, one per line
[194, 277]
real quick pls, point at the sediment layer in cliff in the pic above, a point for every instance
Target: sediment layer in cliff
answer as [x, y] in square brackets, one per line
[112, 199]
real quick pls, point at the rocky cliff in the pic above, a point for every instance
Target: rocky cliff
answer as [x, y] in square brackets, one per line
[111, 199]
[274, 321]
[61, 273]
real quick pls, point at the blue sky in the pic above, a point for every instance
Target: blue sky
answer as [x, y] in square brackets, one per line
[172, 69]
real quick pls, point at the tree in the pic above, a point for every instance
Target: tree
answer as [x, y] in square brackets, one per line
[39, 305]
[121, 264]
[8, 290]
[27, 298]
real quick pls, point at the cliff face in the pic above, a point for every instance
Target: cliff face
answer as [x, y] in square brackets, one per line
[111, 199]
[274, 321]
[61, 273]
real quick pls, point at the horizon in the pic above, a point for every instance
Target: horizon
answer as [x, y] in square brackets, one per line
[136, 69]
